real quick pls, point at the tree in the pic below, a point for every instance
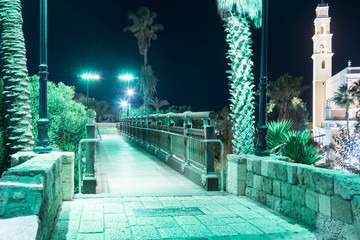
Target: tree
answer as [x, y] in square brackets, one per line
[144, 31]
[355, 91]
[344, 99]
[285, 93]
[16, 95]
[157, 103]
[237, 15]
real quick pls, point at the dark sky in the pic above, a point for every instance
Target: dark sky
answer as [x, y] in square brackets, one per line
[189, 56]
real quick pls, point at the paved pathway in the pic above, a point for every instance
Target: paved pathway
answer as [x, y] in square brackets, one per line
[141, 198]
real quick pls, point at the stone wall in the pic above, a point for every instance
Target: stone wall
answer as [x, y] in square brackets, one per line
[325, 199]
[37, 187]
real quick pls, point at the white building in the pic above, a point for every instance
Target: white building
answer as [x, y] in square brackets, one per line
[325, 112]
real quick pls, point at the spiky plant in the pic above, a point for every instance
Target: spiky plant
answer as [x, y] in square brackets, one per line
[157, 103]
[241, 84]
[16, 95]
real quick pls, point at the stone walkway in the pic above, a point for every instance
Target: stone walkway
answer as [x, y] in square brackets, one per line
[189, 217]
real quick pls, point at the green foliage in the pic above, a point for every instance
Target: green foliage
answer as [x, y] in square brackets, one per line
[292, 144]
[277, 133]
[104, 111]
[156, 103]
[67, 117]
[241, 84]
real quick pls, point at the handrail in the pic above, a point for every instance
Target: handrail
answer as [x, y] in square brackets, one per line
[79, 153]
[186, 115]
[197, 139]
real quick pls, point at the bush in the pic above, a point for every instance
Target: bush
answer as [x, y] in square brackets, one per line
[67, 117]
[293, 144]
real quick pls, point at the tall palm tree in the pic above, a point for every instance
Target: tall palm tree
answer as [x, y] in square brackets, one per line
[157, 103]
[284, 92]
[344, 99]
[144, 31]
[355, 90]
[16, 95]
[238, 15]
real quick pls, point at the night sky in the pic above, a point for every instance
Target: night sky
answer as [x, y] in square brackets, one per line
[189, 56]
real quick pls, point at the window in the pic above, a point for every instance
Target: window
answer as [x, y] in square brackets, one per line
[322, 47]
[323, 64]
[322, 31]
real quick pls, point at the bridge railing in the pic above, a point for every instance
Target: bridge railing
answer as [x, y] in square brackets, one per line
[192, 146]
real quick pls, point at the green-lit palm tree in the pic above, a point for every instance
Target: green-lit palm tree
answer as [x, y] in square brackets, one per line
[284, 92]
[144, 31]
[16, 95]
[343, 98]
[237, 15]
[157, 103]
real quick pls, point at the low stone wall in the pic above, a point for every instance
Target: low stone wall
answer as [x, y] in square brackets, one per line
[36, 187]
[325, 199]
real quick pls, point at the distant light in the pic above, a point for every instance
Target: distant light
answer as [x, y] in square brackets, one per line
[123, 103]
[130, 92]
[88, 76]
[127, 77]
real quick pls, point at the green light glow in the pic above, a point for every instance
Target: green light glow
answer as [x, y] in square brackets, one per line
[127, 77]
[88, 76]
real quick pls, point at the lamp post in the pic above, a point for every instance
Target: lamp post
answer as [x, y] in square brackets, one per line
[127, 77]
[262, 146]
[42, 141]
[130, 92]
[88, 77]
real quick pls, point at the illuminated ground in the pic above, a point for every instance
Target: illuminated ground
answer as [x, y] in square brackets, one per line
[141, 198]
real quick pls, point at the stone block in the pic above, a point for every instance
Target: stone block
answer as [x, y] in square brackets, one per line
[322, 181]
[298, 195]
[248, 192]
[290, 209]
[249, 179]
[325, 204]
[265, 168]
[272, 169]
[21, 157]
[277, 188]
[89, 185]
[286, 190]
[236, 177]
[341, 209]
[256, 166]
[309, 216]
[262, 197]
[273, 202]
[346, 185]
[312, 200]
[258, 182]
[249, 165]
[267, 185]
[281, 171]
[292, 174]
[304, 175]
[254, 194]
[355, 207]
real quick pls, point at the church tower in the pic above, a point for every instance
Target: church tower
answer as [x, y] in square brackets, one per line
[322, 62]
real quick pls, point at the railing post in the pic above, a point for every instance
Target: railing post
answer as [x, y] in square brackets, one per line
[209, 133]
[186, 141]
[89, 181]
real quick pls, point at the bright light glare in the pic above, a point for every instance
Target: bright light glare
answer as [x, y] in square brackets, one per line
[130, 92]
[127, 77]
[90, 76]
[124, 103]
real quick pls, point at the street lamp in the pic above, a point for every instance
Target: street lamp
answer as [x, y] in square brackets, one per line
[42, 141]
[88, 77]
[127, 77]
[130, 92]
[262, 146]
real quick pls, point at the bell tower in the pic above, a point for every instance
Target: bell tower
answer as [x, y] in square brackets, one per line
[322, 62]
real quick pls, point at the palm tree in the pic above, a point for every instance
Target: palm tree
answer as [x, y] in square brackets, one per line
[157, 103]
[16, 95]
[344, 99]
[144, 31]
[285, 92]
[355, 90]
[237, 15]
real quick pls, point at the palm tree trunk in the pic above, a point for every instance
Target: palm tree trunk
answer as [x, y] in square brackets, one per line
[145, 57]
[347, 127]
[16, 95]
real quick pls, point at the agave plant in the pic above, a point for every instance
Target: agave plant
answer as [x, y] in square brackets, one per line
[277, 134]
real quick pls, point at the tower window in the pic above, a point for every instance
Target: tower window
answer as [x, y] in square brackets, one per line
[322, 31]
[323, 64]
[322, 47]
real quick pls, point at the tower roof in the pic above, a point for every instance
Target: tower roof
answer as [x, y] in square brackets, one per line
[322, 4]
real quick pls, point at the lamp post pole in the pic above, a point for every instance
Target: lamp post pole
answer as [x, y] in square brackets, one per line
[262, 146]
[87, 93]
[42, 142]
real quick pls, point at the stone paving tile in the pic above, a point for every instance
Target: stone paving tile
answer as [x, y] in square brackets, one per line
[91, 226]
[116, 217]
[246, 228]
[113, 208]
[267, 226]
[164, 222]
[144, 232]
[210, 220]
[92, 215]
[117, 234]
[97, 236]
[222, 230]
[233, 219]
[187, 220]
[176, 232]
[116, 224]
[133, 221]
[153, 204]
[197, 231]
